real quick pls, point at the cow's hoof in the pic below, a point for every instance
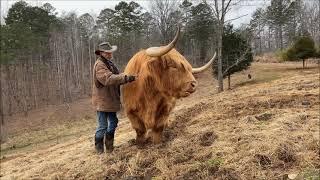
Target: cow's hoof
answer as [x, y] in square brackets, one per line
[141, 145]
[156, 137]
[156, 140]
[140, 141]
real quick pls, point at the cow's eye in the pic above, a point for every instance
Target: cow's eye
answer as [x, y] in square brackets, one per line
[173, 67]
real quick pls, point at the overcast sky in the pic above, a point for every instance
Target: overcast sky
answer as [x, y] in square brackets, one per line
[95, 6]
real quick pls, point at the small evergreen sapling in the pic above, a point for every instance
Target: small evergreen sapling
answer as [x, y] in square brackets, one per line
[236, 54]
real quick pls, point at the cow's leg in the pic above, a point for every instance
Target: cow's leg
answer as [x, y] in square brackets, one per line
[156, 134]
[161, 121]
[139, 127]
[140, 139]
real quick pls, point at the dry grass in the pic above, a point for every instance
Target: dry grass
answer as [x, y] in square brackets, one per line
[266, 129]
[59, 133]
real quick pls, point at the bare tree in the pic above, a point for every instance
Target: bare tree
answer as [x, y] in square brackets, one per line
[318, 23]
[162, 11]
[3, 133]
[220, 9]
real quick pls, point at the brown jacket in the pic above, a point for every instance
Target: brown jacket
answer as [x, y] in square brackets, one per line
[105, 89]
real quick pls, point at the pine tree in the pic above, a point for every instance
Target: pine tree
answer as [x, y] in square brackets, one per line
[302, 49]
[236, 54]
[200, 27]
[277, 15]
[257, 24]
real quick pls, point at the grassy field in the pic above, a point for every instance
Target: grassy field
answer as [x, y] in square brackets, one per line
[266, 127]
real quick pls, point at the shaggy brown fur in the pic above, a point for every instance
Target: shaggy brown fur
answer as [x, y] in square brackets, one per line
[149, 100]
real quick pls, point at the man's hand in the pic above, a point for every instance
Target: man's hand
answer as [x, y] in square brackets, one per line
[130, 78]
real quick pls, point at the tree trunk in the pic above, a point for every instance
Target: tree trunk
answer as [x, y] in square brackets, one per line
[26, 89]
[220, 76]
[3, 130]
[10, 94]
[280, 37]
[269, 39]
[303, 63]
[229, 80]
[33, 88]
[90, 68]
[83, 86]
[260, 46]
[260, 40]
[203, 52]
[319, 24]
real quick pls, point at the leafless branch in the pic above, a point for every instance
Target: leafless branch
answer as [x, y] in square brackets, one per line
[226, 8]
[217, 8]
[236, 18]
[228, 4]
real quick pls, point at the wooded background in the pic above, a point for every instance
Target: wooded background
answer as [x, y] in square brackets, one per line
[47, 59]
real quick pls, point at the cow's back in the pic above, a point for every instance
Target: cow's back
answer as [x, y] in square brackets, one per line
[132, 91]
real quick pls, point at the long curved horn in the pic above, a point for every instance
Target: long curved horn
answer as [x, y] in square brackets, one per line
[159, 51]
[200, 69]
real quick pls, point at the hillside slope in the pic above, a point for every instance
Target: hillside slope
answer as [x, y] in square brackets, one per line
[261, 130]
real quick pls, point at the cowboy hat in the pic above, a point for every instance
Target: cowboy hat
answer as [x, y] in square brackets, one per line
[105, 47]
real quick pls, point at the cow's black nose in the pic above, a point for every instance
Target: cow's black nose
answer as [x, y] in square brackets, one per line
[193, 84]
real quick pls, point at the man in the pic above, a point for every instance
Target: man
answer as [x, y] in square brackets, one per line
[106, 95]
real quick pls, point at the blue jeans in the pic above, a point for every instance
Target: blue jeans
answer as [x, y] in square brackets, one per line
[107, 123]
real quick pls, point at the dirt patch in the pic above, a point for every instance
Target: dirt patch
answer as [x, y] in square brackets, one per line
[189, 113]
[194, 171]
[226, 174]
[204, 156]
[286, 153]
[207, 139]
[249, 119]
[169, 134]
[181, 158]
[134, 178]
[264, 116]
[314, 145]
[260, 107]
[262, 160]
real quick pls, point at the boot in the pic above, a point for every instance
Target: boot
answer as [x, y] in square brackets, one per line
[109, 138]
[98, 142]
